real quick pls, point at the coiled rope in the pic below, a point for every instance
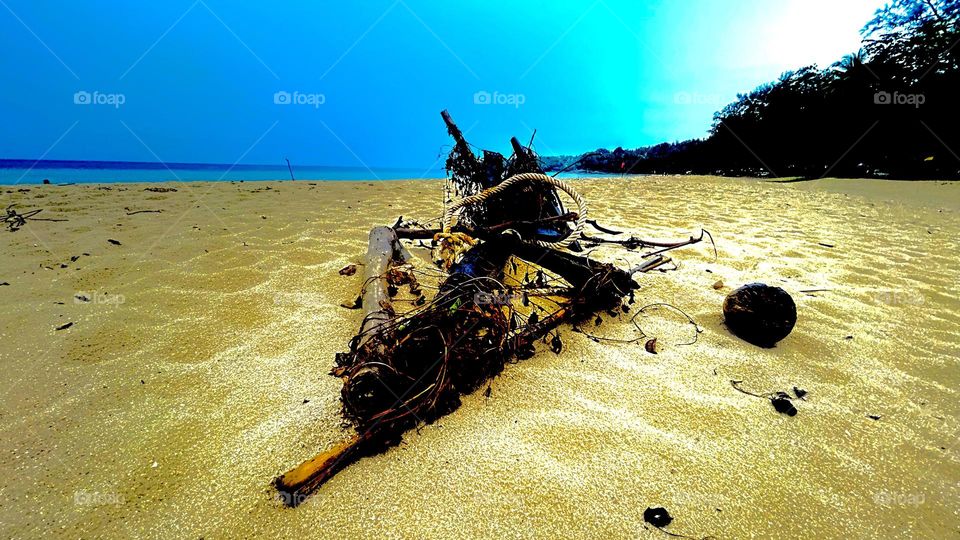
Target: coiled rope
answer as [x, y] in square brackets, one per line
[516, 179]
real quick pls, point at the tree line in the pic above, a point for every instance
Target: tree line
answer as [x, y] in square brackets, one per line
[888, 110]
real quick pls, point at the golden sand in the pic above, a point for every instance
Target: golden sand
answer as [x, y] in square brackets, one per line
[197, 371]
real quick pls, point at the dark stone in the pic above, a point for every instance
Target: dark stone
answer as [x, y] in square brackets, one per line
[781, 402]
[658, 517]
[760, 314]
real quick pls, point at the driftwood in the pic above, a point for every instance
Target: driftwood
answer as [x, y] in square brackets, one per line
[382, 250]
[405, 370]
[15, 220]
[416, 371]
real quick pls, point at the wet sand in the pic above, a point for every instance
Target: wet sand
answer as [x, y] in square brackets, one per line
[196, 371]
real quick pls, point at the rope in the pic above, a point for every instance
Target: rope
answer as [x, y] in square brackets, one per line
[516, 179]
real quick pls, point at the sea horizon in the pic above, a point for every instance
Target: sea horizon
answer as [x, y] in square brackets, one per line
[65, 172]
[32, 171]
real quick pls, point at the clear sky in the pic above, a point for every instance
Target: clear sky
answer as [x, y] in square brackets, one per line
[364, 82]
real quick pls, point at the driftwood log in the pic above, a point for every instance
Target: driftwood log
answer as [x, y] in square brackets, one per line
[414, 369]
[403, 371]
[383, 250]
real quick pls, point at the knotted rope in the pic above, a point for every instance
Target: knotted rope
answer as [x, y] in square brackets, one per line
[516, 179]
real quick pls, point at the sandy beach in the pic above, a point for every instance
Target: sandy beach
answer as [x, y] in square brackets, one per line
[196, 366]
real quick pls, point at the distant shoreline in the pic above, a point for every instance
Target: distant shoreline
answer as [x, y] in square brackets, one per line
[18, 163]
[32, 172]
[576, 175]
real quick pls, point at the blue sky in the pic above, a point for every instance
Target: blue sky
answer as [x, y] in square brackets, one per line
[362, 83]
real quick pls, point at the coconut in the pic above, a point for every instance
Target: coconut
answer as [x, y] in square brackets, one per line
[760, 314]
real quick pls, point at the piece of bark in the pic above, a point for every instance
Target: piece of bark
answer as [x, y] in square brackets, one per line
[382, 250]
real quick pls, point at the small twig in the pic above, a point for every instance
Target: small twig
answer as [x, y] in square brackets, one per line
[676, 535]
[16, 220]
[652, 264]
[593, 223]
[144, 212]
[734, 383]
[696, 326]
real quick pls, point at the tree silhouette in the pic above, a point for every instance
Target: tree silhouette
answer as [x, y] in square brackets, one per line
[888, 109]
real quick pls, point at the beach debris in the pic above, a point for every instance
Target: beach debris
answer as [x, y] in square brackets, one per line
[782, 402]
[405, 369]
[4, 283]
[760, 314]
[135, 212]
[811, 291]
[556, 344]
[874, 416]
[114, 242]
[348, 270]
[658, 516]
[634, 243]
[64, 326]
[15, 220]
[593, 223]
[644, 311]
[357, 303]
[160, 189]
[799, 392]
[651, 346]
[718, 285]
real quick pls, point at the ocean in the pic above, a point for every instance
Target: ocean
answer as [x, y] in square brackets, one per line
[28, 171]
